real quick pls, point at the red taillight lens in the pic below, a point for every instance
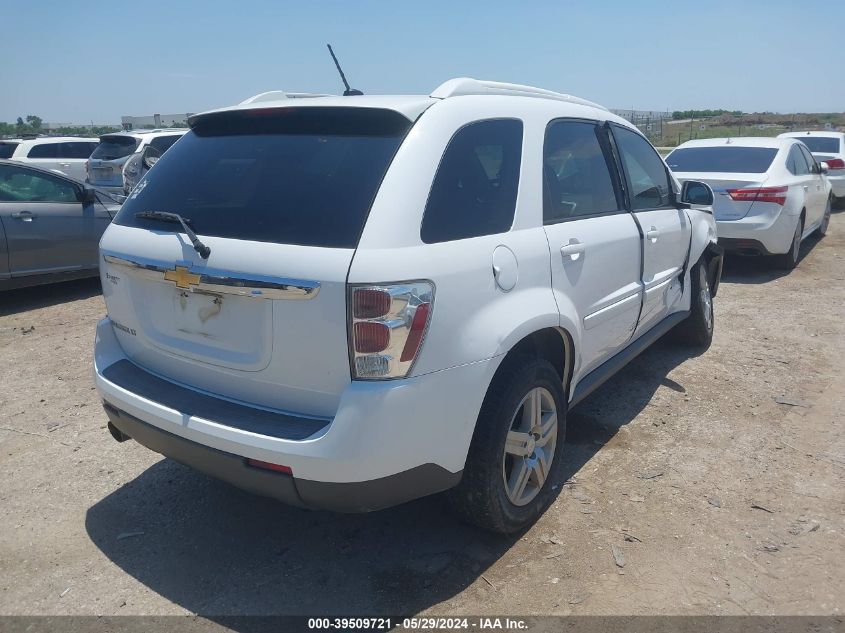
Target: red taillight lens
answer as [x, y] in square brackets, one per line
[776, 195]
[835, 163]
[387, 327]
[420, 320]
[255, 463]
[370, 303]
[371, 337]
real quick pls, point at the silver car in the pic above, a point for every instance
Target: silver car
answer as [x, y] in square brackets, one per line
[50, 226]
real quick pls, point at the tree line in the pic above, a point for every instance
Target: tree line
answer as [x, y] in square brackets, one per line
[700, 114]
[33, 125]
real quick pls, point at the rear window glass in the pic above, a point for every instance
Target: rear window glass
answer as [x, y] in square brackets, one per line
[7, 149]
[114, 147]
[305, 176]
[474, 190]
[821, 144]
[163, 143]
[731, 160]
[76, 149]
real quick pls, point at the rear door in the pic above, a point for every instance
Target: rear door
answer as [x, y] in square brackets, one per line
[47, 228]
[72, 156]
[817, 192]
[665, 226]
[44, 155]
[595, 244]
[280, 197]
[803, 180]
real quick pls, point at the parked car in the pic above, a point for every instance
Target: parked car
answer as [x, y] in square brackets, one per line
[770, 192]
[140, 162]
[50, 226]
[105, 168]
[829, 148]
[65, 154]
[351, 302]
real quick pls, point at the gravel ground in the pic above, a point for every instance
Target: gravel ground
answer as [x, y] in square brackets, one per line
[691, 490]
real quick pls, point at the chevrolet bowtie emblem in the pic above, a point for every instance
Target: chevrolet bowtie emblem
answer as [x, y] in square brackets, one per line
[182, 277]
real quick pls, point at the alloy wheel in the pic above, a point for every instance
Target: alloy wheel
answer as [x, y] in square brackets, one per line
[530, 446]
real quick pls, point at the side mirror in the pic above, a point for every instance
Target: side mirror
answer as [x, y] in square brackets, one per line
[824, 168]
[697, 193]
[150, 156]
[87, 195]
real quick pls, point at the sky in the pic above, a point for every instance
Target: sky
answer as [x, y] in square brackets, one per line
[90, 60]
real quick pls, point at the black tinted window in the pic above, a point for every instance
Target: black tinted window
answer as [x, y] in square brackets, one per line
[7, 149]
[76, 149]
[645, 173]
[291, 184]
[163, 143]
[729, 160]
[811, 161]
[44, 150]
[114, 147]
[474, 189]
[821, 144]
[576, 179]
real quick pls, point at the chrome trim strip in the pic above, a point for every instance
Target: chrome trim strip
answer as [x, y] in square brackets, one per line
[221, 281]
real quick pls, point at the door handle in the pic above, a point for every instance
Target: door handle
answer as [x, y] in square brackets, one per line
[806, 187]
[26, 216]
[573, 250]
[653, 234]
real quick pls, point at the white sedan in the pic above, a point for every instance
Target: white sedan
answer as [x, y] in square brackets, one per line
[828, 147]
[771, 193]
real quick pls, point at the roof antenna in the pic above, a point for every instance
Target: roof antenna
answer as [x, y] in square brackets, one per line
[349, 92]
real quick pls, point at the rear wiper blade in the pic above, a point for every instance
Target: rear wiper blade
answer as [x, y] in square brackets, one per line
[166, 216]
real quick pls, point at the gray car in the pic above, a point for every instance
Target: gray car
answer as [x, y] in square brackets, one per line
[50, 226]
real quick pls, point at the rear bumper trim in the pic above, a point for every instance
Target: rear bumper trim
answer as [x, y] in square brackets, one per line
[364, 496]
[188, 402]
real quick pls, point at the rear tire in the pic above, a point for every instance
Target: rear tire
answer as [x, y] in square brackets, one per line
[515, 456]
[826, 219]
[789, 260]
[697, 329]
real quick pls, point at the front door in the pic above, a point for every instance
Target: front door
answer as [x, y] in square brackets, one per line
[665, 227]
[47, 228]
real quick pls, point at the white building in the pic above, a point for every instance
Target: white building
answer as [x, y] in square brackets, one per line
[154, 121]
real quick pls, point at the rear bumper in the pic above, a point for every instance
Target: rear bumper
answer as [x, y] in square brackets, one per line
[389, 441]
[762, 234]
[361, 496]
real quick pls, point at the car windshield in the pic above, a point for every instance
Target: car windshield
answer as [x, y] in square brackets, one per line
[114, 147]
[821, 144]
[7, 149]
[738, 160]
[302, 176]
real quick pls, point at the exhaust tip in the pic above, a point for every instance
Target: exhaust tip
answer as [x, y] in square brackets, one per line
[117, 434]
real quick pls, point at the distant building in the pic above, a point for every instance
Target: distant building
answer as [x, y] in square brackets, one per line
[154, 121]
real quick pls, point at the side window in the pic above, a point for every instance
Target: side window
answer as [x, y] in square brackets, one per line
[44, 150]
[163, 143]
[648, 182]
[23, 185]
[474, 189]
[811, 161]
[576, 178]
[796, 163]
[76, 149]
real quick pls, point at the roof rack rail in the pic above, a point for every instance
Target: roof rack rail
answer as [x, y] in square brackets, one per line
[462, 86]
[277, 95]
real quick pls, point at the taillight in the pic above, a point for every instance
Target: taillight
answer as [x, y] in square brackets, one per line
[387, 326]
[835, 163]
[760, 194]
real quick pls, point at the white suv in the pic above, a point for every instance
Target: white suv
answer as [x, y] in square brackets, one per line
[351, 302]
[65, 154]
[107, 166]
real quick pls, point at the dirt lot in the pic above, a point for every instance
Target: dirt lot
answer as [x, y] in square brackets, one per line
[716, 497]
